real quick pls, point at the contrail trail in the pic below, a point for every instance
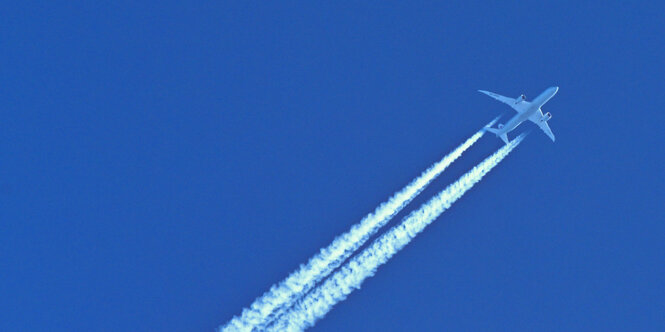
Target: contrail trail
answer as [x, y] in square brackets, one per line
[319, 302]
[282, 296]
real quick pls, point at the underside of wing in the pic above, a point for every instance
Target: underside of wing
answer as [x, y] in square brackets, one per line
[539, 120]
[520, 105]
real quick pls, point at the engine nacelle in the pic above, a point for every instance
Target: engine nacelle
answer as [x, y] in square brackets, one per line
[520, 99]
[546, 117]
[500, 126]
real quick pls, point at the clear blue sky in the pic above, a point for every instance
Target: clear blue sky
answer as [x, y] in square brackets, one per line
[164, 163]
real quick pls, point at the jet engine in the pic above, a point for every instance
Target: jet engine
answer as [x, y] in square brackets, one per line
[520, 99]
[500, 125]
[546, 117]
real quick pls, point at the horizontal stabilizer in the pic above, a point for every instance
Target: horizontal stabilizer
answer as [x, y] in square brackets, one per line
[492, 130]
[503, 136]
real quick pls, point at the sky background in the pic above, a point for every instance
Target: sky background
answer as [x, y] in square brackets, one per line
[164, 163]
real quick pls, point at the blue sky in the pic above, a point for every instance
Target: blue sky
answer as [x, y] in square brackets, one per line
[165, 163]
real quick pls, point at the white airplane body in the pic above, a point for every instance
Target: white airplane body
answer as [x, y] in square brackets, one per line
[525, 111]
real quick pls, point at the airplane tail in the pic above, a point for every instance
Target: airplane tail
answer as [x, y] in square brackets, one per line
[503, 136]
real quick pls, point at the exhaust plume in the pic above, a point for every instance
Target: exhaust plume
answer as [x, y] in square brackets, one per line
[319, 302]
[281, 296]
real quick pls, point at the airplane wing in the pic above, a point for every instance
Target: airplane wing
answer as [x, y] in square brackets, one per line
[536, 118]
[519, 107]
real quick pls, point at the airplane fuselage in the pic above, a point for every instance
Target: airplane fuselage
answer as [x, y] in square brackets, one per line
[516, 120]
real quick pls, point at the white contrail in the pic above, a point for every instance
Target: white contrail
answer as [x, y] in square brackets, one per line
[320, 301]
[282, 296]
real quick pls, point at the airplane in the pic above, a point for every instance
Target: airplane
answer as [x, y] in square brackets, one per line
[525, 111]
